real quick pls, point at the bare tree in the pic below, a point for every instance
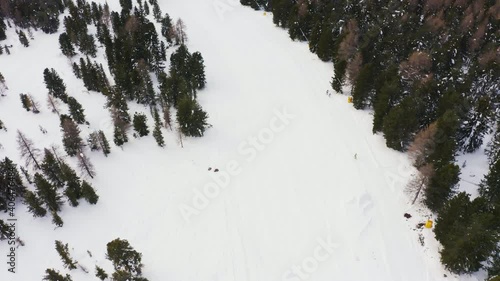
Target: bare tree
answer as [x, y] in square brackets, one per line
[416, 67]
[85, 165]
[29, 152]
[167, 118]
[423, 145]
[106, 15]
[420, 181]
[349, 45]
[53, 104]
[180, 31]
[34, 104]
[180, 136]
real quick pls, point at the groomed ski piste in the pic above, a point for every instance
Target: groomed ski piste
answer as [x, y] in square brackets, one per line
[304, 191]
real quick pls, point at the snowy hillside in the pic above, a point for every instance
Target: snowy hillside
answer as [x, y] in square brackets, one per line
[304, 190]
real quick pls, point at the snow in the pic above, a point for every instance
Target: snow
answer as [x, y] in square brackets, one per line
[290, 201]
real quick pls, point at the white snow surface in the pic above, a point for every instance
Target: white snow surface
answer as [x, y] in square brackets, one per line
[298, 189]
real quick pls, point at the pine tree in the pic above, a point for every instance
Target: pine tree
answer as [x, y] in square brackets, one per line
[140, 125]
[89, 193]
[167, 29]
[34, 204]
[55, 84]
[48, 193]
[93, 141]
[11, 185]
[464, 228]
[87, 45]
[25, 101]
[157, 12]
[363, 87]
[400, 124]
[490, 185]
[103, 143]
[157, 134]
[53, 275]
[76, 110]
[51, 169]
[63, 251]
[197, 68]
[191, 118]
[23, 39]
[441, 186]
[72, 141]
[56, 219]
[100, 273]
[124, 257]
[338, 79]
[73, 189]
[66, 46]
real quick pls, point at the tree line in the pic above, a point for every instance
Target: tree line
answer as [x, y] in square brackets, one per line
[430, 72]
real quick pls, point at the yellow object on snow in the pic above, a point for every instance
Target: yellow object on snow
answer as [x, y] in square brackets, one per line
[265, 14]
[349, 99]
[428, 224]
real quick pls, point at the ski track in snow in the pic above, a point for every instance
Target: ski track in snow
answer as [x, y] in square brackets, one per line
[303, 186]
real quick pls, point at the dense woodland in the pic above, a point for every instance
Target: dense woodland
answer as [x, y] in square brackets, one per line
[136, 55]
[429, 71]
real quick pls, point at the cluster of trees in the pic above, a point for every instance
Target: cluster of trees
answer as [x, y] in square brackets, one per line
[53, 178]
[126, 261]
[42, 15]
[135, 52]
[430, 71]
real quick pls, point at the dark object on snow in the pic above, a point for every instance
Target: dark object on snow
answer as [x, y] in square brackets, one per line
[408, 216]
[210, 168]
[216, 170]
[420, 225]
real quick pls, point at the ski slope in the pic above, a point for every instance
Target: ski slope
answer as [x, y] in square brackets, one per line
[305, 191]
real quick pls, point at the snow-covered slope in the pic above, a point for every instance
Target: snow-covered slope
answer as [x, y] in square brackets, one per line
[304, 191]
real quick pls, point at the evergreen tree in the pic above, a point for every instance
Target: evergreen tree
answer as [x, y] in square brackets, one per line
[66, 46]
[338, 79]
[34, 204]
[73, 189]
[48, 193]
[23, 39]
[197, 69]
[191, 118]
[490, 185]
[63, 251]
[52, 170]
[100, 273]
[56, 219]
[464, 229]
[3, 27]
[55, 84]
[363, 87]
[124, 257]
[140, 125]
[53, 275]
[88, 193]
[72, 141]
[157, 134]
[400, 124]
[87, 45]
[11, 185]
[441, 186]
[76, 110]
[167, 29]
[25, 100]
[157, 12]
[103, 143]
